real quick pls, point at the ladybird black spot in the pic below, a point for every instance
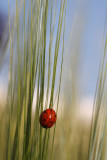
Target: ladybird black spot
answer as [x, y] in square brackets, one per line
[44, 112]
[55, 115]
[44, 119]
[51, 122]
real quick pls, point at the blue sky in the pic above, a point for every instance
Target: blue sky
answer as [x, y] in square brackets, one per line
[4, 5]
[91, 41]
[94, 12]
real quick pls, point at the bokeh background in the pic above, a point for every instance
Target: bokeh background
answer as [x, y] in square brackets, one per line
[84, 43]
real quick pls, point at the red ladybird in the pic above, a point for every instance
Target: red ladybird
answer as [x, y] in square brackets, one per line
[47, 118]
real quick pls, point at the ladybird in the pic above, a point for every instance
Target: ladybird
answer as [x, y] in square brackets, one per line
[47, 118]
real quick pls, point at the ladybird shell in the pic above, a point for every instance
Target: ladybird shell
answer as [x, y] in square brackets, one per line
[48, 118]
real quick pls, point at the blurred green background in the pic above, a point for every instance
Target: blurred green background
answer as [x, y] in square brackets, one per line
[80, 49]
